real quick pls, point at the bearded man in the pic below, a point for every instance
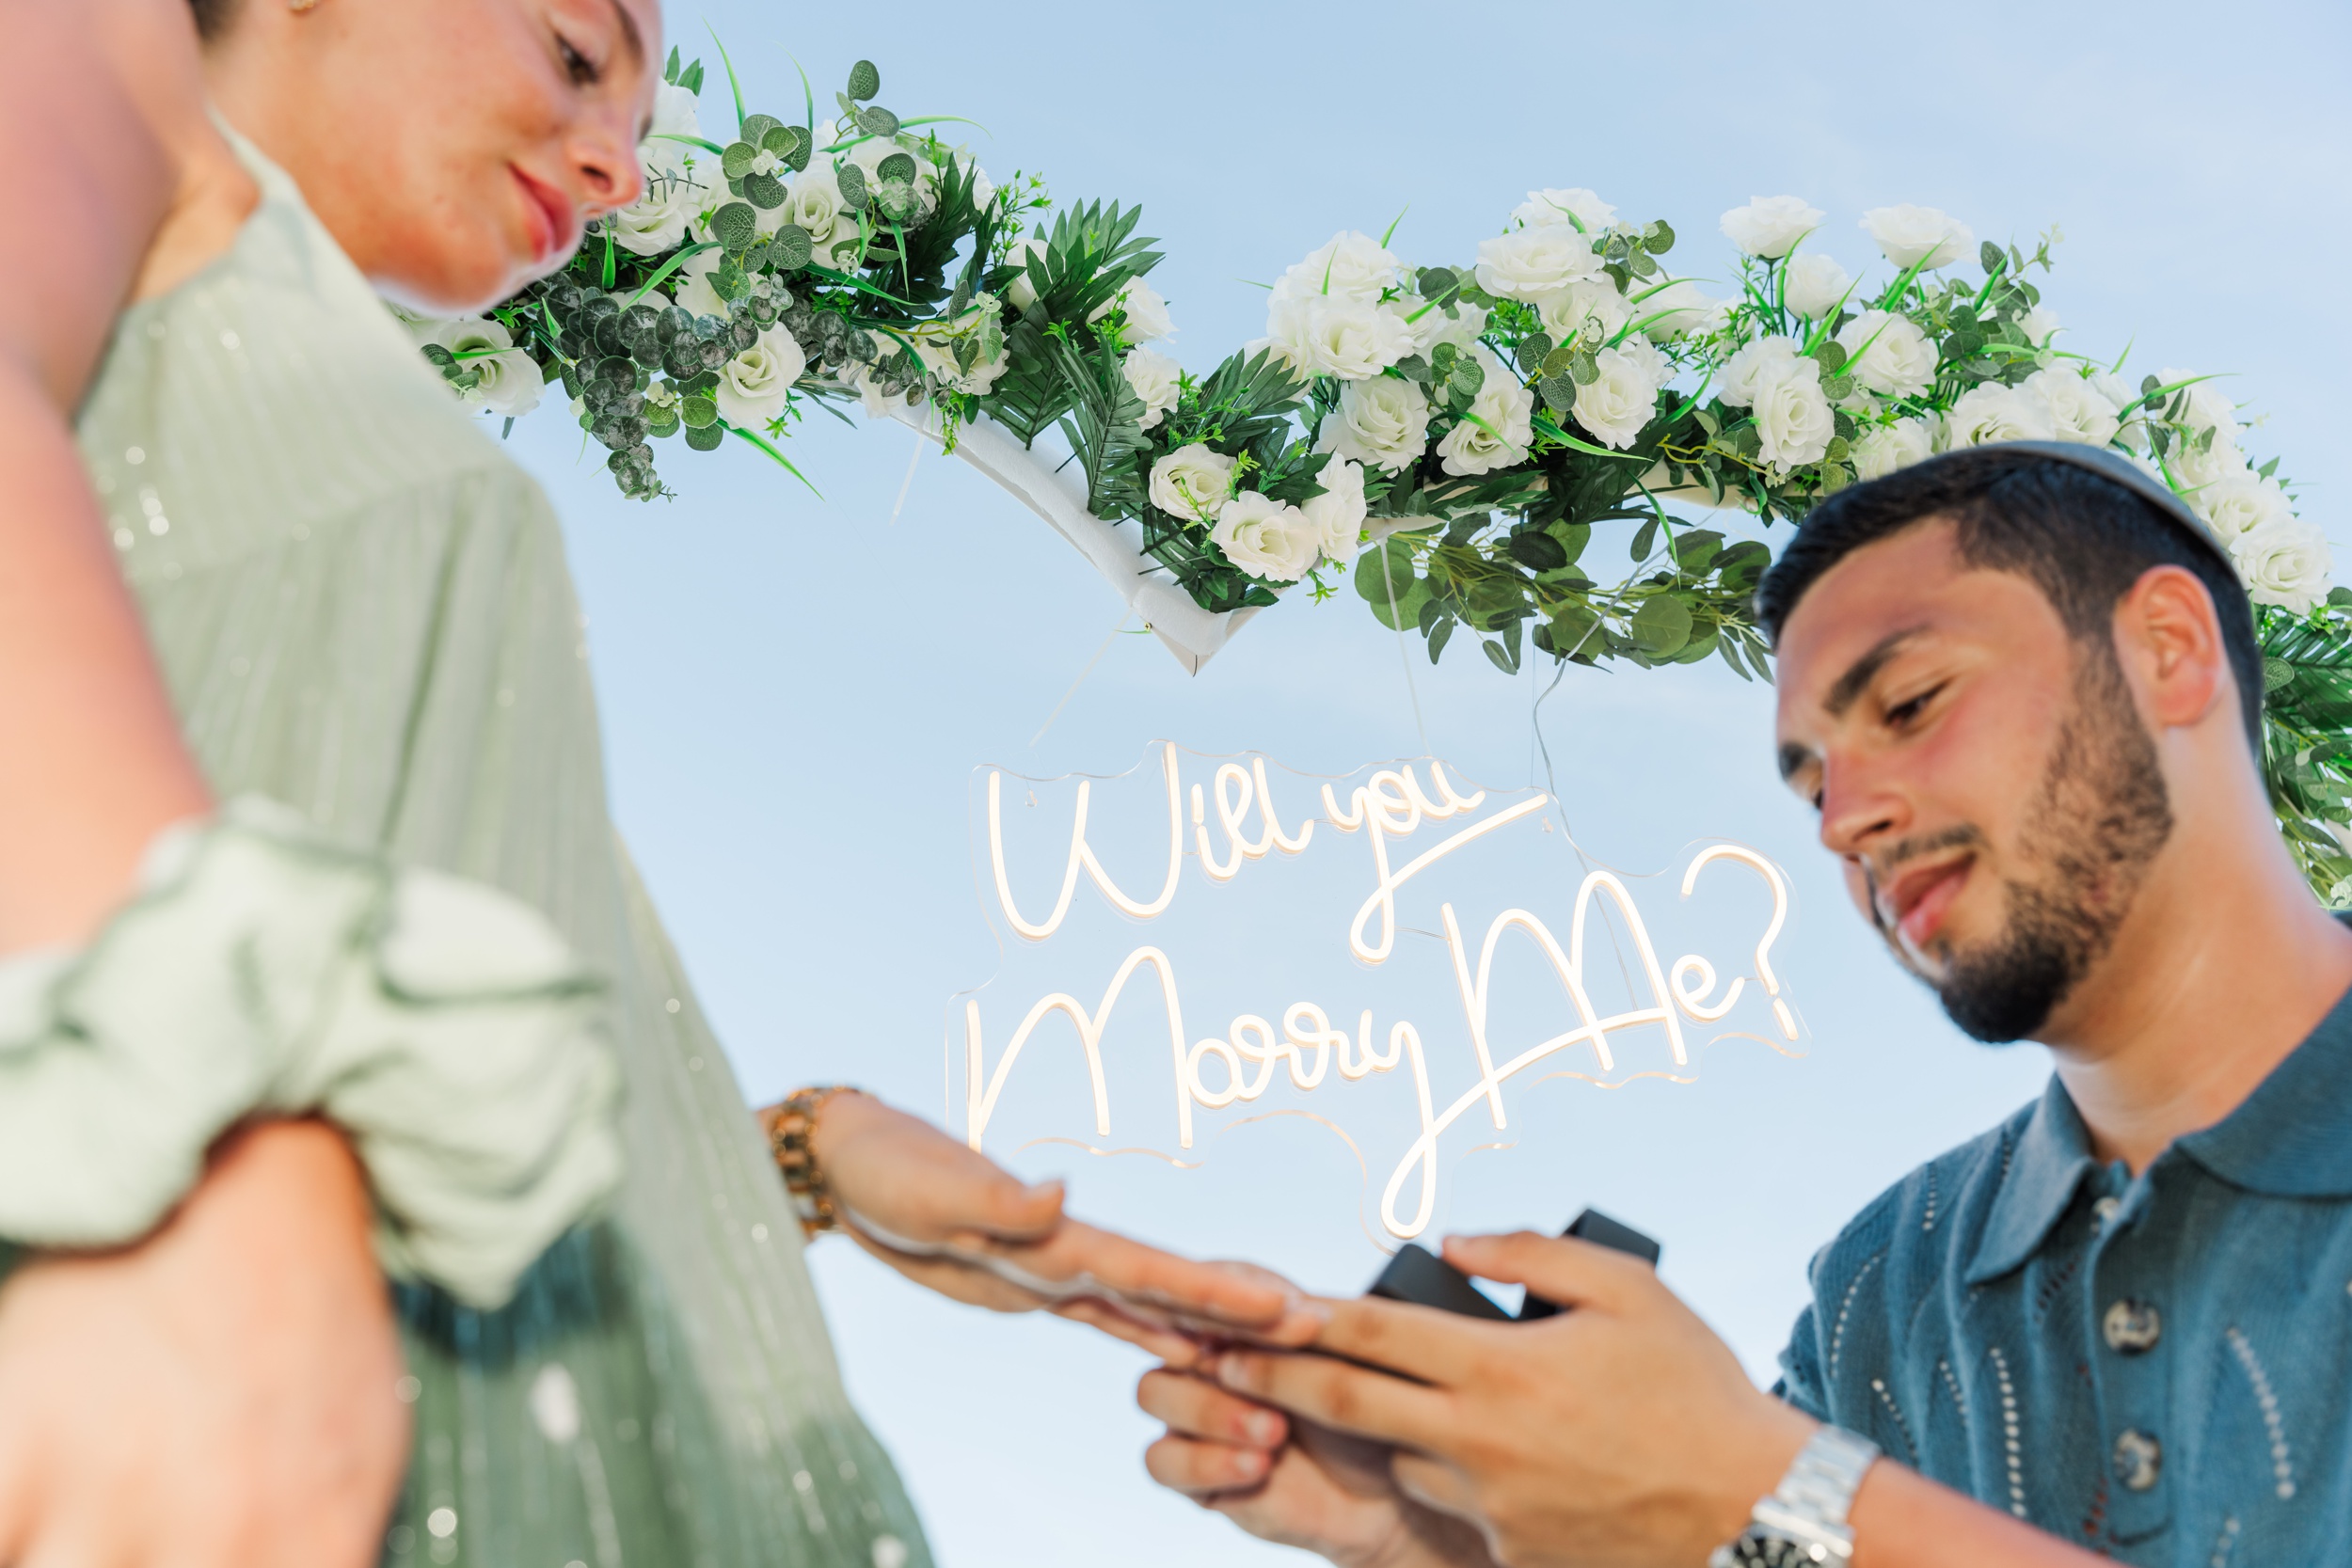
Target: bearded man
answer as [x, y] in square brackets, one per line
[2020, 686]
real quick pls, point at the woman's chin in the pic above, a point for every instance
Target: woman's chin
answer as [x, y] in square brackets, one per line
[453, 285]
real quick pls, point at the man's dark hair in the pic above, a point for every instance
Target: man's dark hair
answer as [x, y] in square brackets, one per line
[2081, 538]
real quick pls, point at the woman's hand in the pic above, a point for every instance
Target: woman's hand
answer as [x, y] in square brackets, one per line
[1294, 1483]
[220, 1395]
[947, 1217]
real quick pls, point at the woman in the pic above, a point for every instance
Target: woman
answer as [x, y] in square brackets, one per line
[361, 609]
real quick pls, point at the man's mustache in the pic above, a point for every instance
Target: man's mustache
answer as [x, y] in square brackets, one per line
[1876, 869]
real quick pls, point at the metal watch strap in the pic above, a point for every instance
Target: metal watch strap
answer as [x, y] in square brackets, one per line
[1808, 1508]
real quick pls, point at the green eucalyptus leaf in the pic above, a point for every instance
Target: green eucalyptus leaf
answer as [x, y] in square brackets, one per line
[697, 411]
[1645, 538]
[1990, 255]
[1537, 552]
[875, 121]
[735, 226]
[1659, 238]
[1558, 392]
[756, 126]
[705, 438]
[763, 190]
[851, 180]
[1584, 368]
[864, 81]
[1662, 624]
[899, 166]
[1574, 626]
[738, 159]
[789, 248]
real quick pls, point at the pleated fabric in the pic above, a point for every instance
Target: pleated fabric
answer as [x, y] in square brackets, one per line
[363, 610]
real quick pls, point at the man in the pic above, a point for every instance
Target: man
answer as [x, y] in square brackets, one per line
[2020, 686]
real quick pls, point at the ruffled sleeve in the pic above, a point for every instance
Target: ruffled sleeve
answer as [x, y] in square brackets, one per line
[444, 1025]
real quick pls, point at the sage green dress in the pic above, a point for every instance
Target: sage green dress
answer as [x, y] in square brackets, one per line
[363, 612]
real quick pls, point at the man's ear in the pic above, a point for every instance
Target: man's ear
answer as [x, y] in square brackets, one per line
[2167, 636]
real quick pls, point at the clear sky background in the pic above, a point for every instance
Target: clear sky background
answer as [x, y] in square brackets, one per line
[797, 689]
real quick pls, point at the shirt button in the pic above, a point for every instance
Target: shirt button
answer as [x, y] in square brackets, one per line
[2132, 1326]
[2137, 1459]
[2107, 1209]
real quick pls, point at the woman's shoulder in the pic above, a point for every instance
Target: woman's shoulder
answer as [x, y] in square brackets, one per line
[271, 392]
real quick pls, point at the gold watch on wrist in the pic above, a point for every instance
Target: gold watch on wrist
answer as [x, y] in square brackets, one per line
[791, 1124]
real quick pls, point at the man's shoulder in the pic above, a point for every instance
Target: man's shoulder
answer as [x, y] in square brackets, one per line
[1920, 1226]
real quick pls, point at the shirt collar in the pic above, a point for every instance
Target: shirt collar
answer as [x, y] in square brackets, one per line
[2292, 1137]
[2045, 1165]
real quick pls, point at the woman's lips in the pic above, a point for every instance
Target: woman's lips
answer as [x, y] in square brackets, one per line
[549, 216]
[1918, 901]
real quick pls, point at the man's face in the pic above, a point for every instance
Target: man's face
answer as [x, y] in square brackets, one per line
[1984, 778]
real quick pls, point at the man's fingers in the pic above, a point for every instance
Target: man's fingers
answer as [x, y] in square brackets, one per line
[1353, 1399]
[1436, 1347]
[1194, 1407]
[1203, 1470]
[1558, 1268]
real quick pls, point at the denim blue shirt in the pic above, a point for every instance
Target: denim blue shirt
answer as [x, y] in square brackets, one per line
[2159, 1368]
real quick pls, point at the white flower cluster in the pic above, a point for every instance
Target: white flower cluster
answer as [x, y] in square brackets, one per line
[1892, 360]
[1266, 538]
[505, 379]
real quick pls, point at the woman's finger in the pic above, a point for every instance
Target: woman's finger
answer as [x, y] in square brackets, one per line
[1167, 1345]
[1197, 1408]
[1204, 1470]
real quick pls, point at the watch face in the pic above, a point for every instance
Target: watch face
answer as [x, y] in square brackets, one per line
[1770, 1551]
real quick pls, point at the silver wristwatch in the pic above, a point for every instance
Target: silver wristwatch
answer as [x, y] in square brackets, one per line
[1804, 1521]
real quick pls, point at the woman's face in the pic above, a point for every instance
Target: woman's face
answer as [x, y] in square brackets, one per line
[455, 148]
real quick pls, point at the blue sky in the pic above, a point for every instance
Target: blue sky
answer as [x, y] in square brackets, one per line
[797, 691]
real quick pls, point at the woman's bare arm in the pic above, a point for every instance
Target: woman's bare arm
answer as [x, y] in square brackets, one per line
[136, 191]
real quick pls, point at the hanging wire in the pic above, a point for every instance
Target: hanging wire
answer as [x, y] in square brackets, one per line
[1103, 648]
[1403, 657]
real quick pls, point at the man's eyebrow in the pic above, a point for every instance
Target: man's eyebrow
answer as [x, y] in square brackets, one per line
[1860, 674]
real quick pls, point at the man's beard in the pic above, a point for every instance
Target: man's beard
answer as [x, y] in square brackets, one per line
[2098, 817]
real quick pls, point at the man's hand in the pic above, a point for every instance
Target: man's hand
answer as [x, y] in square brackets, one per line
[1321, 1490]
[947, 1217]
[1622, 1433]
[220, 1395]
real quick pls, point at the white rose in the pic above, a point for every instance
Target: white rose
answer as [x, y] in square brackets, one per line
[1679, 307]
[1192, 481]
[1888, 354]
[1816, 285]
[1564, 313]
[2040, 324]
[1502, 428]
[1350, 266]
[813, 201]
[507, 379]
[658, 219]
[1987, 414]
[1383, 421]
[1793, 418]
[1755, 366]
[1771, 226]
[673, 113]
[1622, 397]
[2120, 394]
[2286, 562]
[691, 282]
[2209, 407]
[1266, 538]
[2079, 411]
[1533, 262]
[1575, 207]
[1345, 338]
[1021, 292]
[1880, 451]
[754, 385]
[1156, 378]
[2198, 469]
[2241, 503]
[1909, 234]
[1147, 313]
[1337, 515]
[1461, 327]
